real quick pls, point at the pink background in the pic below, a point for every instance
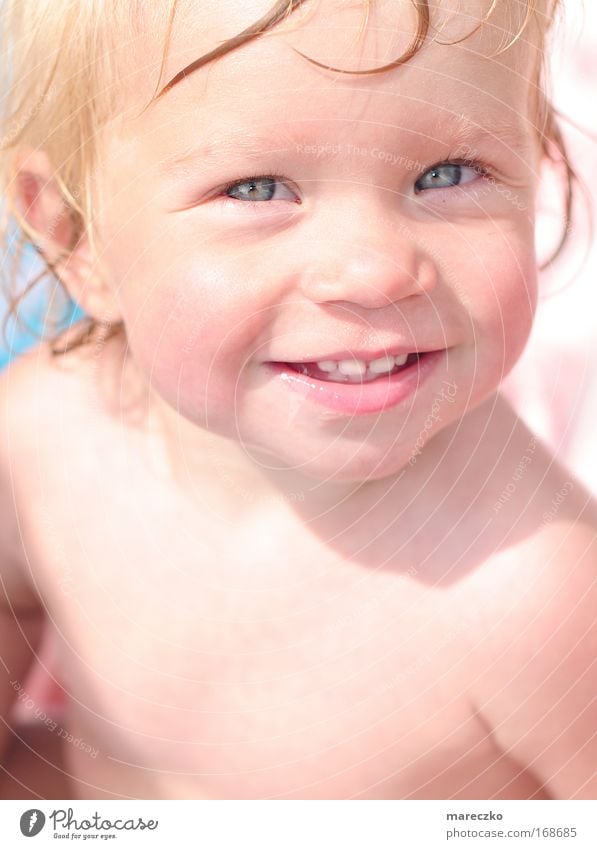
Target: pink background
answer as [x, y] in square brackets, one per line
[554, 385]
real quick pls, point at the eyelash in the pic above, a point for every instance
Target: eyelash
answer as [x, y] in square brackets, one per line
[483, 171]
[275, 178]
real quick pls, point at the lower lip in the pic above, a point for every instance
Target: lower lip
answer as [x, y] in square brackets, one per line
[360, 398]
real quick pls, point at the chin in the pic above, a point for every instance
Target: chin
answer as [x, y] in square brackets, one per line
[343, 462]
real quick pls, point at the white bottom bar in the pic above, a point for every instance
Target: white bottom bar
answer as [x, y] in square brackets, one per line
[302, 825]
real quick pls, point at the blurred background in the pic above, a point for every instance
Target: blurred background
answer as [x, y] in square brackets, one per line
[554, 385]
[18, 338]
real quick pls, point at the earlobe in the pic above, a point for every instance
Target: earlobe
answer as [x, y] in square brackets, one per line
[51, 225]
[82, 276]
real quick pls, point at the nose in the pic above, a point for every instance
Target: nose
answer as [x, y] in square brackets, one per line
[367, 262]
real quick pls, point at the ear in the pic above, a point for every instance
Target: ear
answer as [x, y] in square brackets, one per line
[45, 210]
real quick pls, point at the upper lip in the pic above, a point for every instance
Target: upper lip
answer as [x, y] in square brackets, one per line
[367, 356]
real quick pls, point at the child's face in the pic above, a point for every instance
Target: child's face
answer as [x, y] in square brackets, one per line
[345, 242]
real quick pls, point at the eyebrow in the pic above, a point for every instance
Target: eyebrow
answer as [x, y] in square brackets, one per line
[510, 133]
[227, 146]
[224, 148]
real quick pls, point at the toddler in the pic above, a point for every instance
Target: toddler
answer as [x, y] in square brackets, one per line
[266, 501]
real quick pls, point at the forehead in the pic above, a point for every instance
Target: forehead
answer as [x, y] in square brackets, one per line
[348, 34]
[459, 70]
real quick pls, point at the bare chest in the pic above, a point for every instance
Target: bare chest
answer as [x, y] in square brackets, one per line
[196, 667]
[199, 662]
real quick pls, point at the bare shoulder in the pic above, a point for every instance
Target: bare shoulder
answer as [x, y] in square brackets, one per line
[536, 636]
[44, 395]
[33, 387]
[37, 382]
[53, 408]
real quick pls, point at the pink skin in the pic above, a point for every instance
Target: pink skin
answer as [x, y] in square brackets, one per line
[217, 292]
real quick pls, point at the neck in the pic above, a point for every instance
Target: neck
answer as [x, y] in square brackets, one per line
[248, 479]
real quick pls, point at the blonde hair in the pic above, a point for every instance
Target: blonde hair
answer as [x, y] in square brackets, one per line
[56, 98]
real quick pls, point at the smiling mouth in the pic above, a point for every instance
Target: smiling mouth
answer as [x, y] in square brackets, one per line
[356, 370]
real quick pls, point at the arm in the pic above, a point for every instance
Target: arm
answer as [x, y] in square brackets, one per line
[538, 686]
[21, 627]
[20, 633]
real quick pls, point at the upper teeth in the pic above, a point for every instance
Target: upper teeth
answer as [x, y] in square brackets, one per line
[357, 368]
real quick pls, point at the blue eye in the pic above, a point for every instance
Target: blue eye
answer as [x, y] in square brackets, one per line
[257, 189]
[447, 175]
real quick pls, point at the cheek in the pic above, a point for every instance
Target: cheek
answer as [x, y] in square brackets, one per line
[507, 299]
[188, 311]
[195, 322]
